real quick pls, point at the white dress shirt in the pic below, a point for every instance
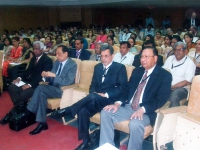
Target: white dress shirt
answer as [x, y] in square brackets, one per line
[63, 64]
[125, 36]
[126, 59]
[181, 70]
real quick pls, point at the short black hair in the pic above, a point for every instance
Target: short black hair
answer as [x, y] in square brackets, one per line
[106, 46]
[64, 48]
[80, 39]
[28, 41]
[15, 38]
[59, 36]
[125, 42]
[155, 51]
[7, 38]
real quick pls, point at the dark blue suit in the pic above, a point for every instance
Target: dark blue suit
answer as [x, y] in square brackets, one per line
[114, 85]
[156, 92]
[84, 55]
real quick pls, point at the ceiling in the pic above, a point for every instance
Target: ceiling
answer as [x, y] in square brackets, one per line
[104, 3]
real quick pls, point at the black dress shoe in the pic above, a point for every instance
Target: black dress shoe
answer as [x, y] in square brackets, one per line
[82, 147]
[39, 128]
[59, 113]
[5, 119]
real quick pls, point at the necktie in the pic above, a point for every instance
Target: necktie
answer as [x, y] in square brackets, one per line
[98, 58]
[59, 69]
[137, 95]
[36, 60]
[77, 54]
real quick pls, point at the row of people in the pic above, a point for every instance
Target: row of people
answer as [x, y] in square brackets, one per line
[104, 93]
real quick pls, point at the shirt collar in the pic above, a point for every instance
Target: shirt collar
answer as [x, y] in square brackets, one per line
[150, 70]
[64, 62]
[39, 57]
[108, 65]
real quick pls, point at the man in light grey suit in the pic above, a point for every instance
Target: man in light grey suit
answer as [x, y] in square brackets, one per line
[62, 74]
[97, 55]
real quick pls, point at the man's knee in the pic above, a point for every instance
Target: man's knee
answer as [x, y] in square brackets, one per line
[83, 111]
[136, 125]
[93, 95]
[104, 113]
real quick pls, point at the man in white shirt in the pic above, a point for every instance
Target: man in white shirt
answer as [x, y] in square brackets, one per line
[182, 69]
[124, 56]
[126, 35]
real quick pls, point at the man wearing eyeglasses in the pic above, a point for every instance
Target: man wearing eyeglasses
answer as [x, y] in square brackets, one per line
[108, 85]
[148, 89]
[182, 69]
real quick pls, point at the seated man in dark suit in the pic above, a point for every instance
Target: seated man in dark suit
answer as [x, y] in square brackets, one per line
[108, 85]
[80, 52]
[62, 74]
[148, 89]
[32, 76]
[137, 63]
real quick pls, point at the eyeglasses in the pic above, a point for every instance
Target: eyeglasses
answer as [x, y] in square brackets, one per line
[105, 56]
[178, 50]
[145, 57]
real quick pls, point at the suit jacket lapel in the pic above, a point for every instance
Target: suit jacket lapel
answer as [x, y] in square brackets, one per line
[100, 73]
[109, 72]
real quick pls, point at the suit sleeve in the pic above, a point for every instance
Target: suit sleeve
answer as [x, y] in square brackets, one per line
[161, 96]
[47, 66]
[70, 75]
[121, 83]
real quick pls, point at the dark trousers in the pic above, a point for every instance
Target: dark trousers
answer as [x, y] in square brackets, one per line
[19, 95]
[14, 71]
[86, 108]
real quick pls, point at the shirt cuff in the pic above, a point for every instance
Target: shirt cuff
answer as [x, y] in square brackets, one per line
[106, 95]
[119, 102]
[29, 85]
[19, 78]
[143, 109]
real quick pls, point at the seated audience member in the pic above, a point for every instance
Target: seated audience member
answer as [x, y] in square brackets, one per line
[182, 69]
[158, 38]
[126, 35]
[7, 47]
[16, 53]
[85, 43]
[31, 77]
[48, 44]
[110, 41]
[133, 35]
[92, 44]
[80, 52]
[175, 38]
[102, 37]
[169, 31]
[59, 41]
[149, 30]
[195, 32]
[124, 56]
[166, 22]
[192, 21]
[139, 34]
[62, 74]
[27, 54]
[153, 84]
[118, 34]
[112, 33]
[132, 47]
[71, 39]
[137, 62]
[97, 55]
[90, 34]
[108, 85]
[195, 55]
[149, 37]
[188, 37]
[166, 48]
[36, 38]
[149, 20]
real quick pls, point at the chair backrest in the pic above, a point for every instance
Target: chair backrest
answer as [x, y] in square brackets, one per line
[116, 49]
[1, 58]
[86, 73]
[129, 70]
[138, 47]
[89, 41]
[53, 58]
[194, 98]
[139, 42]
[159, 49]
[78, 62]
[92, 51]
[192, 49]
[117, 45]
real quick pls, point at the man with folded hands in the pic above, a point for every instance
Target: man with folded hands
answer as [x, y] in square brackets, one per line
[62, 74]
[108, 85]
[23, 87]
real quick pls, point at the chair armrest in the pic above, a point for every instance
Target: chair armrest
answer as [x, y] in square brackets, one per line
[70, 86]
[174, 110]
[164, 106]
[45, 83]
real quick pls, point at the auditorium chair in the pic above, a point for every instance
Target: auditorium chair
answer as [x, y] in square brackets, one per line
[116, 49]
[139, 42]
[182, 124]
[159, 49]
[55, 103]
[192, 49]
[158, 43]
[92, 51]
[117, 45]
[138, 47]
[89, 42]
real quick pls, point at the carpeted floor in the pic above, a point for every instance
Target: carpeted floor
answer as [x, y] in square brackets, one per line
[57, 137]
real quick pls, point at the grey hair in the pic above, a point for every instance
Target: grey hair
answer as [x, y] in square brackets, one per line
[99, 43]
[106, 46]
[180, 43]
[39, 43]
